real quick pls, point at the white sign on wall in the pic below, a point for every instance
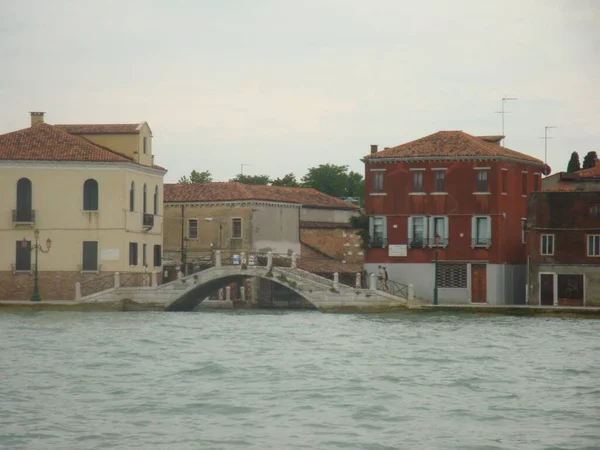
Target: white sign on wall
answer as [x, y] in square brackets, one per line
[397, 250]
[109, 254]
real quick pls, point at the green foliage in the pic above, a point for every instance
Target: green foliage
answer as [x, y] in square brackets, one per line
[574, 164]
[251, 179]
[288, 180]
[197, 177]
[589, 160]
[334, 180]
[361, 223]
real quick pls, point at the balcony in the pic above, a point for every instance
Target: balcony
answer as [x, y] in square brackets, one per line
[148, 221]
[438, 242]
[23, 217]
[481, 242]
[417, 243]
[378, 242]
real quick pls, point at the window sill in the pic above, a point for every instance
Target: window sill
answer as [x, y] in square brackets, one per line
[439, 193]
[486, 246]
[482, 193]
[91, 271]
[523, 195]
[378, 193]
[417, 193]
[236, 238]
[22, 272]
[90, 210]
[504, 193]
[546, 254]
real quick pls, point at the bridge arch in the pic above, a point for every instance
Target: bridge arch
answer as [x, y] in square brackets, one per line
[191, 298]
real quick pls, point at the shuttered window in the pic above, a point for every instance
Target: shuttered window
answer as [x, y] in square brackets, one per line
[482, 180]
[157, 256]
[24, 202]
[236, 228]
[23, 256]
[133, 254]
[90, 195]
[90, 255]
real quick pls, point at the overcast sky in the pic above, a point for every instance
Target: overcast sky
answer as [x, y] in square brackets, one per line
[287, 85]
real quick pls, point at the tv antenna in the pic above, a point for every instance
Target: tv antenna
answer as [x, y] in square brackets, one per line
[504, 100]
[545, 138]
[242, 168]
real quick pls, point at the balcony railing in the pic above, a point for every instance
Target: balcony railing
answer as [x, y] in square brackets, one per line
[417, 243]
[23, 216]
[481, 242]
[437, 242]
[378, 242]
[148, 221]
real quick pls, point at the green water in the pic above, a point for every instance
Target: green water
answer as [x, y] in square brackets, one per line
[297, 380]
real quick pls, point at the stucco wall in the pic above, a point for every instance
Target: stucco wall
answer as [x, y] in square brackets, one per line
[127, 144]
[591, 281]
[327, 215]
[275, 228]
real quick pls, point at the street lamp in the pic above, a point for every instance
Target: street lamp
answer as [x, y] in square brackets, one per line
[435, 288]
[221, 222]
[35, 297]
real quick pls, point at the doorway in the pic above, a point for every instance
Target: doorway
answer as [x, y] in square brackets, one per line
[547, 289]
[478, 283]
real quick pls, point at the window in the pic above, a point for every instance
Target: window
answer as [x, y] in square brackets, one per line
[132, 197]
[378, 231]
[145, 198]
[23, 256]
[417, 180]
[417, 231]
[145, 145]
[192, 229]
[504, 181]
[155, 200]
[133, 253]
[452, 276]
[378, 181]
[90, 195]
[537, 180]
[593, 245]
[144, 261]
[481, 231]
[89, 256]
[595, 210]
[439, 181]
[524, 183]
[236, 228]
[547, 244]
[24, 210]
[157, 256]
[570, 289]
[482, 180]
[523, 229]
[438, 227]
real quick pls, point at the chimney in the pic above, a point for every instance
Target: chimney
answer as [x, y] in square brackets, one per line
[36, 117]
[373, 148]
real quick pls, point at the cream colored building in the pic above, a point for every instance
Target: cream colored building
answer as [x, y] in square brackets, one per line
[94, 191]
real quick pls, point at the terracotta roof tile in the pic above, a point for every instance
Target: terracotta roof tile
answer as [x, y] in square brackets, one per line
[220, 191]
[591, 172]
[455, 144]
[112, 128]
[45, 142]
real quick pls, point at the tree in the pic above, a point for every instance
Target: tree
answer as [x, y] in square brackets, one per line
[328, 179]
[197, 177]
[574, 164]
[590, 160]
[288, 180]
[355, 185]
[251, 179]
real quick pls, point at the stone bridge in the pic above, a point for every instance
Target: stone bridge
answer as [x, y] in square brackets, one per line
[187, 292]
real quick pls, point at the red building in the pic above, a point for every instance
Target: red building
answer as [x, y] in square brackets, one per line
[563, 244]
[461, 197]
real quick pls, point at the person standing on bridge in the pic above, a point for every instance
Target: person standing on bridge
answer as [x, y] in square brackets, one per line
[380, 278]
[385, 280]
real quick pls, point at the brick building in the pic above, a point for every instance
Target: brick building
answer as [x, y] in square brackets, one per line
[582, 180]
[461, 197]
[563, 245]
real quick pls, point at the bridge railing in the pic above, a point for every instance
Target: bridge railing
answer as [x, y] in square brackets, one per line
[230, 258]
[97, 284]
[397, 289]
[135, 279]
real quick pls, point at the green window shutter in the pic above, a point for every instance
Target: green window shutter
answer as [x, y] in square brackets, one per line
[410, 229]
[446, 229]
[90, 255]
[23, 256]
[90, 195]
[24, 200]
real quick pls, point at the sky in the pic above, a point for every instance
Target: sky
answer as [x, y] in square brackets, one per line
[281, 86]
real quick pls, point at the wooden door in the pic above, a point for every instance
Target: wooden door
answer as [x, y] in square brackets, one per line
[547, 289]
[478, 283]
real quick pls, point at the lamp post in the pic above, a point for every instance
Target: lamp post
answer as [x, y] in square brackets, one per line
[220, 222]
[435, 285]
[35, 297]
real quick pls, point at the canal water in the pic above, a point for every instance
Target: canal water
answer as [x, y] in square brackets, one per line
[297, 380]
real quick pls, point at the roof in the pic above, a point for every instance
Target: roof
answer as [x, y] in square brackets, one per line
[451, 144]
[591, 172]
[44, 142]
[113, 128]
[232, 191]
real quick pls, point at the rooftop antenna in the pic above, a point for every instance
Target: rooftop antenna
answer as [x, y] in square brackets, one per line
[545, 138]
[242, 168]
[504, 100]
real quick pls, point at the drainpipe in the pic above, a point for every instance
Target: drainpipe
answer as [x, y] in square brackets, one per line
[182, 236]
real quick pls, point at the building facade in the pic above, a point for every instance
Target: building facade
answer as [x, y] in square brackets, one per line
[563, 245]
[100, 206]
[457, 198]
[581, 180]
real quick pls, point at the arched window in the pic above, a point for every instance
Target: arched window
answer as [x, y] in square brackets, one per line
[132, 197]
[145, 198]
[24, 210]
[90, 195]
[155, 200]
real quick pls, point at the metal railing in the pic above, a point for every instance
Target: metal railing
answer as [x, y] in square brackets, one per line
[97, 284]
[397, 289]
[23, 216]
[135, 279]
[148, 220]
